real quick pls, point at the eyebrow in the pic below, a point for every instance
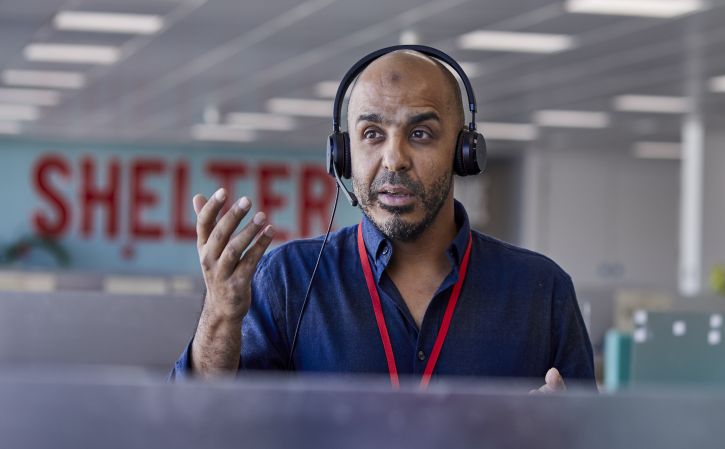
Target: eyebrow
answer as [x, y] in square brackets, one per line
[418, 118]
[423, 117]
[374, 118]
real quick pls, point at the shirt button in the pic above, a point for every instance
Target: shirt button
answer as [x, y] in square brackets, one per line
[385, 250]
[421, 355]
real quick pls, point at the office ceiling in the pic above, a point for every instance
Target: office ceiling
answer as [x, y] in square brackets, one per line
[214, 57]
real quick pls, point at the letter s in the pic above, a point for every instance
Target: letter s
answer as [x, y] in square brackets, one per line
[42, 179]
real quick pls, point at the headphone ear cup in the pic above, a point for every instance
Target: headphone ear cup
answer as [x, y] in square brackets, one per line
[338, 154]
[480, 153]
[470, 153]
[458, 155]
[332, 154]
[347, 161]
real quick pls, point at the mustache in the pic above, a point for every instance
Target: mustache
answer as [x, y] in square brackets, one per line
[395, 179]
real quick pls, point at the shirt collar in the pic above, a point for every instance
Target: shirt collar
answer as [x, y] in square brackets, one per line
[378, 245]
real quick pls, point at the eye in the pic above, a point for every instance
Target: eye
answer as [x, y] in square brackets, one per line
[372, 134]
[420, 134]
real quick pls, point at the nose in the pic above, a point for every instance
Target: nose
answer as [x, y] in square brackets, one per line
[396, 154]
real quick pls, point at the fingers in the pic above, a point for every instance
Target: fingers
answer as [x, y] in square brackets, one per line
[206, 218]
[545, 389]
[251, 258]
[554, 383]
[239, 243]
[554, 380]
[226, 226]
[199, 201]
[219, 249]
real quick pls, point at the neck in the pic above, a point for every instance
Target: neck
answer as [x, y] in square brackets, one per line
[417, 268]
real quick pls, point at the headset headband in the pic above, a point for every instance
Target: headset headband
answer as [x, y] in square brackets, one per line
[428, 51]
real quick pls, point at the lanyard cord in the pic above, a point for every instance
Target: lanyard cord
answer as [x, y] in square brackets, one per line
[380, 318]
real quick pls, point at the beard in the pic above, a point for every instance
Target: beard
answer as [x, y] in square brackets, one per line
[395, 227]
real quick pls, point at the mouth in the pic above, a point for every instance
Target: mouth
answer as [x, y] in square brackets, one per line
[395, 196]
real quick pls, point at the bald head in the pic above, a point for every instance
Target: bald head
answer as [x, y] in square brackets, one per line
[404, 69]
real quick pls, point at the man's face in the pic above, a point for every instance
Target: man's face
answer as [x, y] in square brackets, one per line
[403, 127]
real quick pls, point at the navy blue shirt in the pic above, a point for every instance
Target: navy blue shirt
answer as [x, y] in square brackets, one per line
[517, 315]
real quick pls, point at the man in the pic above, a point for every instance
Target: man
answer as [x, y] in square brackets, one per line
[516, 313]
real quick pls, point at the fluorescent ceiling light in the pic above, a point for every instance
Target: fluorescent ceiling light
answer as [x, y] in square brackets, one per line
[516, 42]
[299, 106]
[508, 131]
[717, 84]
[650, 103]
[645, 8]
[571, 119]
[409, 37]
[658, 150]
[69, 53]
[108, 22]
[42, 78]
[38, 97]
[326, 89]
[219, 133]
[18, 112]
[254, 120]
[9, 128]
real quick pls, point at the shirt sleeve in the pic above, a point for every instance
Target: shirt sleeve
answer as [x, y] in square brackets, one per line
[264, 339]
[182, 368]
[263, 336]
[573, 355]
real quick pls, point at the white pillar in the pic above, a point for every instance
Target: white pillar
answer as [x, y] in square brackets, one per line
[690, 279]
[693, 149]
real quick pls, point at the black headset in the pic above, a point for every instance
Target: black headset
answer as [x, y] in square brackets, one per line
[470, 154]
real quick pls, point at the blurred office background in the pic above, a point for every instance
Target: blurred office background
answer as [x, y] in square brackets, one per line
[605, 122]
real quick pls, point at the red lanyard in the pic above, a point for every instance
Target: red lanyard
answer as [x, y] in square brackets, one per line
[377, 307]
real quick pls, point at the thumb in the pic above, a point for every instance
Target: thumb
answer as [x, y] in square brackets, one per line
[554, 380]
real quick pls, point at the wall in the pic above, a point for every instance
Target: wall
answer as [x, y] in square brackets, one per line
[607, 218]
[128, 209]
[493, 200]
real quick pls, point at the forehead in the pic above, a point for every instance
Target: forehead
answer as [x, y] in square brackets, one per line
[401, 84]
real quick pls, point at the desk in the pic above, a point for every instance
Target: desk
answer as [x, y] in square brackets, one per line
[299, 412]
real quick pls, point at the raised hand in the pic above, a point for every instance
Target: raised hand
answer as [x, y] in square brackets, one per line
[228, 263]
